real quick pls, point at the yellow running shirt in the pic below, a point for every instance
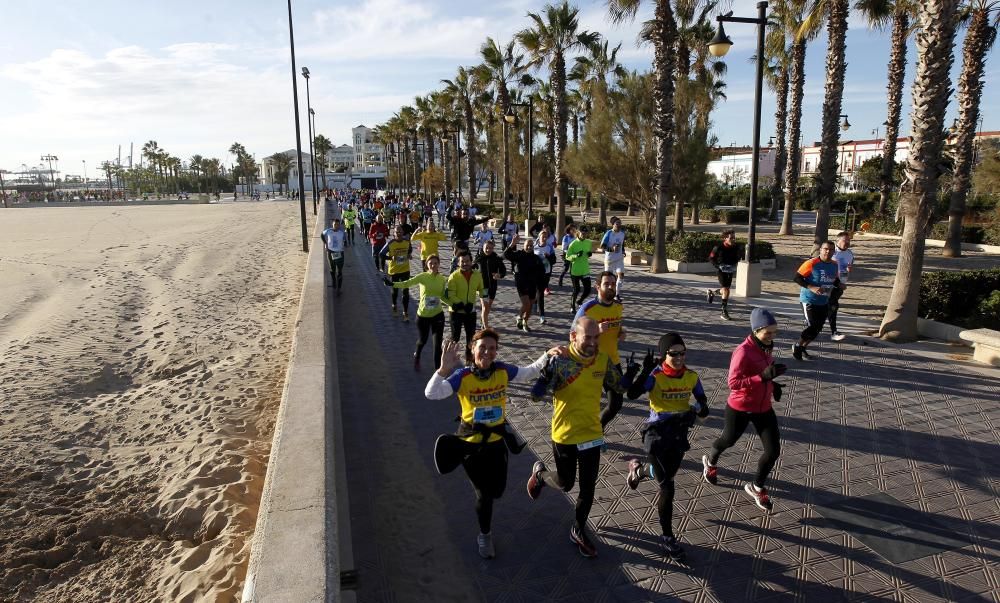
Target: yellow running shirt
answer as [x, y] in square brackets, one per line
[398, 254]
[577, 384]
[483, 400]
[428, 243]
[610, 315]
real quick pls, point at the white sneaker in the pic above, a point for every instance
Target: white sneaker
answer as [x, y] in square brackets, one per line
[485, 542]
[541, 320]
[837, 336]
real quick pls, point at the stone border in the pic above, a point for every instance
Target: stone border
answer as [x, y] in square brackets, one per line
[291, 551]
[990, 249]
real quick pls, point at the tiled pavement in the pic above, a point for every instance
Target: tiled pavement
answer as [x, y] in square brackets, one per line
[864, 418]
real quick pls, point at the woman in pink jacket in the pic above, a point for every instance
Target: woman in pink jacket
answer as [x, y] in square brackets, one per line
[752, 371]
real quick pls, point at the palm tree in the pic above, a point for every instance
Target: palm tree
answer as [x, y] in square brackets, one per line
[466, 87]
[791, 14]
[194, 164]
[151, 151]
[663, 33]
[547, 43]
[836, 12]
[978, 41]
[501, 67]
[322, 146]
[282, 164]
[777, 74]
[931, 89]
[879, 13]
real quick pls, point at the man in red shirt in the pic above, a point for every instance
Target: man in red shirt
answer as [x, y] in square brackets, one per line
[377, 236]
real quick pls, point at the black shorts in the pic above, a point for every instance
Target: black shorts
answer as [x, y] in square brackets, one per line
[529, 289]
[487, 468]
[400, 277]
[491, 291]
[726, 279]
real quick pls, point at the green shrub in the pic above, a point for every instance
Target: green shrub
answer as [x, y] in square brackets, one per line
[991, 233]
[696, 246]
[705, 215]
[740, 216]
[966, 298]
[882, 225]
[970, 234]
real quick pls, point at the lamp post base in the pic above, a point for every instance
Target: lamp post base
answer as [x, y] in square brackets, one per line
[748, 279]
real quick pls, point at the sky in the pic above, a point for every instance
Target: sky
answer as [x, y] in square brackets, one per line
[80, 80]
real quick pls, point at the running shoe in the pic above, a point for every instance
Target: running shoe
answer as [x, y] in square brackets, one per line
[525, 327]
[535, 482]
[485, 543]
[797, 351]
[582, 541]
[416, 362]
[759, 496]
[394, 311]
[672, 548]
[520, 322]
[725, 314]
[633, 479]
[710, 295]
[837, 336]
[541, 320]
[709, 471]
[805, 353]
[406, 317]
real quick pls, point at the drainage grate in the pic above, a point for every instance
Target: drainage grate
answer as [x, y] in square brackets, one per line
[890, 528]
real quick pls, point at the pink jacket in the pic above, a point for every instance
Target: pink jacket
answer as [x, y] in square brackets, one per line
[749, 392]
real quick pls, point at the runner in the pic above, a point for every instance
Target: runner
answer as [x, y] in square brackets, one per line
[377, 235]
[350, 217]
[460, 294]
[817, 277]
[483, 235]
[545, 250]
[725, 257]
[492, 267]
[608, 314]
[528, 269]
[333, 237]
[398, 250]
[462, 225]
[665, 435]
[613, 246]
[367, 215]
[567, 239]
[430, 313]
[752, 371]
[507, 231]
[482, 441]
[429, 239]
[575, 380]
[578, 253]
[845, 263]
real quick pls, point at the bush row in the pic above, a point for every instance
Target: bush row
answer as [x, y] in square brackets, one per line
[967, 298]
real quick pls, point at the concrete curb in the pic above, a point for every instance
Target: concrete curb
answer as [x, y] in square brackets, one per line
[289, 553]
[990, 249]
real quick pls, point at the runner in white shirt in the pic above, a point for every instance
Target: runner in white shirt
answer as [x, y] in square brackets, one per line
[613, 246]
[845, 262]
[483, 235]
[442, 212]
[334, 238]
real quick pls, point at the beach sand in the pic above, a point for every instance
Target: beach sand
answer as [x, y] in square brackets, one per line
[142, 357]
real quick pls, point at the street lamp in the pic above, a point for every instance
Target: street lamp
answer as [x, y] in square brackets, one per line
[511, 118]
[298, 136]
[312, 134]
[749, 273]
[845, 125]
[52, 175]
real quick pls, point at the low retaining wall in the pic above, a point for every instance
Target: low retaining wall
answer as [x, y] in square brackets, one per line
[115, 203]
[991, 249]
[294, 548]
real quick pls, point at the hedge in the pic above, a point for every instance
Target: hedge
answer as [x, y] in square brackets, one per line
[741, 216]
[967, 298]
[970, 234]
[705, 215]
[696, 246]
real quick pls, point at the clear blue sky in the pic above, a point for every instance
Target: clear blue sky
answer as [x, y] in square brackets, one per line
[79, 79]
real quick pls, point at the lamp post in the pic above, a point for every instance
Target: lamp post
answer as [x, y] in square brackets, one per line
[298, 136]
[52, 175]
[511, 118]
[418, 182]
[309, 124]
[749, 274]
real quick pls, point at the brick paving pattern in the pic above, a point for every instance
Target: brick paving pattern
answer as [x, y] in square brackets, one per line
[862, 418]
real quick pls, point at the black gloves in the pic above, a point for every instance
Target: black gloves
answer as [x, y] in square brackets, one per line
[773, 371]
[386, 281]
[777, 392]
[702, 408]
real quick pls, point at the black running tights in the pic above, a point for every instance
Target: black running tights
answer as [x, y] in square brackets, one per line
[665, 461]
[426, 326]
[577, 281]
[567, 457]
[766, 424]
[398, 278]
[487, 470]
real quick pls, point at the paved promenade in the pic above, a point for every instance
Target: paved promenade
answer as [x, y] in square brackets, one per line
[886, 490]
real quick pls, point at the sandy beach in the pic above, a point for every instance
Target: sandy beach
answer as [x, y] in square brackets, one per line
[143, 353]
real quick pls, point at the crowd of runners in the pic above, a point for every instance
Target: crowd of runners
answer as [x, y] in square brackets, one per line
[576, 375]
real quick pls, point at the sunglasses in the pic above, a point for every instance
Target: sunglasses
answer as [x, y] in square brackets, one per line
[676, 354]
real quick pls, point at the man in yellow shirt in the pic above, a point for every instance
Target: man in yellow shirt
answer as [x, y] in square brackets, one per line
[464, 287]
[576, 380]
[398, 251]
[429, 238]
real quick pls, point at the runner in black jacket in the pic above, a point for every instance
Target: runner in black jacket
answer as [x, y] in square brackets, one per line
[725, 256]
[492, 267]
[528, 270]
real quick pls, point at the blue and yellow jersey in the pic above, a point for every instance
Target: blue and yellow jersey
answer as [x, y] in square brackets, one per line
[483, 400]
[820, 274]
[398, 254]
[610, 315]
[672, 393]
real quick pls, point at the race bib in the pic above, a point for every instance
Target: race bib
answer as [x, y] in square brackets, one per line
[487, 414]
[727, 268]
[336, 254]
[431, 302]
[399, 259]
[590, 444]
[825, 291]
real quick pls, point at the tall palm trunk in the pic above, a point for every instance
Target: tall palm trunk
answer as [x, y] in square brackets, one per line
[797, 80]
[429, 145]
[550, 150]
[664, 36]
[897, 72]
[978, 40]
[931, 88]
[836, 68]
[781, 153]
[562, 116]
[470, 151]
[506, 167]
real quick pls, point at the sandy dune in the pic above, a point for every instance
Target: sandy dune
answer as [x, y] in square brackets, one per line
[142, 356]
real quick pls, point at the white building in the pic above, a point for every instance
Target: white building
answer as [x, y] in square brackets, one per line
[734, 170]
[369, 169]
[341, 159]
